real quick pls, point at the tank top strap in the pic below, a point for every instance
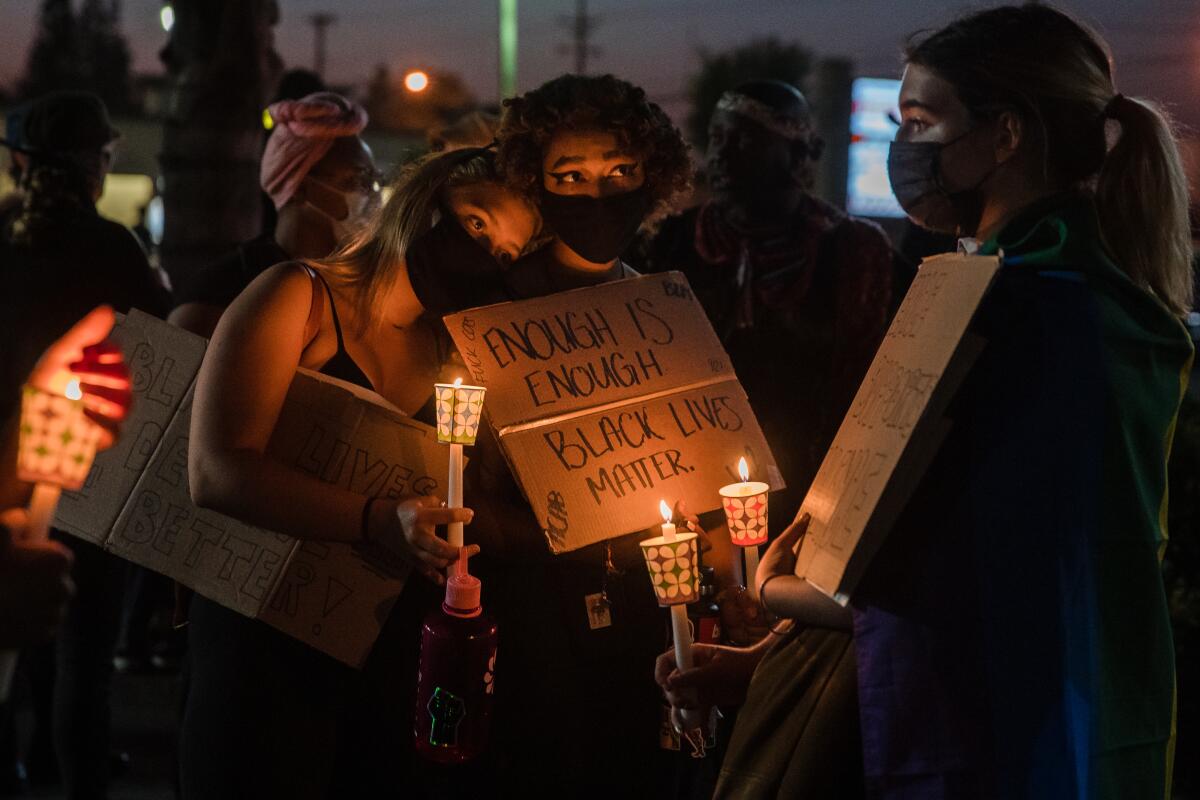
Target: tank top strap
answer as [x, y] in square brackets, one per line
[337, 324]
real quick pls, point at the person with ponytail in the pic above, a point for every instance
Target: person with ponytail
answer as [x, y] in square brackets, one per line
[267, 716]
[1011, 634]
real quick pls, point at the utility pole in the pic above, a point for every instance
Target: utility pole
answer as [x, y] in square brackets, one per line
[507, 36]
[320, 21]
[582, 25]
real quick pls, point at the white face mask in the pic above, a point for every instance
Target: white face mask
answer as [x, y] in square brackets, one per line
[359, 204]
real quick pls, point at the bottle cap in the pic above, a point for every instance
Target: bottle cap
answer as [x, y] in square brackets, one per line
[462, 590]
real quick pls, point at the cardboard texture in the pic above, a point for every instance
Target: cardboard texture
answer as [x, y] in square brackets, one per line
[334, 597]
[895, 424]
[163, 360]
[607, 400]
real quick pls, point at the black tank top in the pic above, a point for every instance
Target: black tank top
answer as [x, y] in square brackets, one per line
[341, 365]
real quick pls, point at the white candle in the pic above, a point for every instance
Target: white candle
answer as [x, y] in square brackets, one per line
[751, 554]
[668, 527]
[42, 506]
[681, 631]
[454, 492]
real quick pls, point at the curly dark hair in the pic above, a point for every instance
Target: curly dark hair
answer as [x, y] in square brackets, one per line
[592, 102]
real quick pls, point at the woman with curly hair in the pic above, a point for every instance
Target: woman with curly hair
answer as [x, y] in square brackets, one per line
[600, 159]
[577, 713]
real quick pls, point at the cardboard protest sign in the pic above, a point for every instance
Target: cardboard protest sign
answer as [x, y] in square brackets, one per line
[607, 400]
[163, 360]
[333, 596]
[895, 424]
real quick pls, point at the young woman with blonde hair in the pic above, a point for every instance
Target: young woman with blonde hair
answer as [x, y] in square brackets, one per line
[267, 715]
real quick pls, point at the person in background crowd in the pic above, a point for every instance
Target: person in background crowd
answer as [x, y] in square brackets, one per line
[199, 301]
[60, 259]
[781, 271]
[1012, 634]
[576, 708]
[473, 129]
[362, 315]
[322, 180]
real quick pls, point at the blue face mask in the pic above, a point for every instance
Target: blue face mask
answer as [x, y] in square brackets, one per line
[915, 174]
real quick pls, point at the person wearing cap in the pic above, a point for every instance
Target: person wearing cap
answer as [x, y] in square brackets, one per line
[323, 184]
[780, 271]
[58, 260]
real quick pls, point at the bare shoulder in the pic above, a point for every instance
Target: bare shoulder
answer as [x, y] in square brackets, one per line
[282, 291]
[272, 311]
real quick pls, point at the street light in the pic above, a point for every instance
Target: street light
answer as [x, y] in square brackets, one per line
[166, 16]
[416, 81]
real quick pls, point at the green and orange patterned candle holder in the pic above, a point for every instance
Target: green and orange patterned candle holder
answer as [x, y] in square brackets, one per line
[673, 561]
[459, 412]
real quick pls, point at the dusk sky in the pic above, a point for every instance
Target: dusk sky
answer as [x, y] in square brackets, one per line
[653, 42]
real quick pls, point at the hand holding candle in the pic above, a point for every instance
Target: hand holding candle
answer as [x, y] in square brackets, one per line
[745, 507]
[76, 397]
[673, 562]
[55, 449]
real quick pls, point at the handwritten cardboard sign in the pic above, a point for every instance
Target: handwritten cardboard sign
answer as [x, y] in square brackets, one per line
[609, 399]
[335, 597]
[895, 424]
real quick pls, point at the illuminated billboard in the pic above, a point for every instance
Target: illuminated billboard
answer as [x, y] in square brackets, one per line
[874, 107]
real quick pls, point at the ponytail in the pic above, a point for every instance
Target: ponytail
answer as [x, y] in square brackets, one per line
[1141, 197]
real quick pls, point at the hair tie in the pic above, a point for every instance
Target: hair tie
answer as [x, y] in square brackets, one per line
[1110, 110]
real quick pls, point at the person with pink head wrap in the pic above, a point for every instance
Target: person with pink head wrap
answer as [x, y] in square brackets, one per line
[321, 178]
[303, 133]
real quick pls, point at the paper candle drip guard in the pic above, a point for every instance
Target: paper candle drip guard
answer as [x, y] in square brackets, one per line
[57, 440]
[674, 568]
[459, 411]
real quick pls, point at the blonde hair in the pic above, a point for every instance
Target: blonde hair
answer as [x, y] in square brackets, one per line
[370, 261]
[1057, 74]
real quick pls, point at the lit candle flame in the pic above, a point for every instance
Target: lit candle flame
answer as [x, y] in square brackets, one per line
[457, 383]
[743, 470]
[73, 392]
[665, 510]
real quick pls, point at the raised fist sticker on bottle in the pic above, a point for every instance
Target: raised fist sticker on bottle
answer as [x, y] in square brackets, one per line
[455, 679]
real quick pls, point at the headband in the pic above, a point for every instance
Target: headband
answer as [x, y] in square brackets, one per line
[788, 127]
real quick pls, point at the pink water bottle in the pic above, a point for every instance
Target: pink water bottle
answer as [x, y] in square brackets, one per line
[454, 682]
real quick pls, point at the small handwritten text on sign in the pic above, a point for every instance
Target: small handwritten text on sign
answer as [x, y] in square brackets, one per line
[895, 423]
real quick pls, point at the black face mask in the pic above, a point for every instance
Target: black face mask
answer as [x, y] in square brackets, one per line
[450, 271]
[597, 228]
[915, 173]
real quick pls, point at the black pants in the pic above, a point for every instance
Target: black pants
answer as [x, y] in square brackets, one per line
[268, 716]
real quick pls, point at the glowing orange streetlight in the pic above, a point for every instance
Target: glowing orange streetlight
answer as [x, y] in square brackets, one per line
[416, 81]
